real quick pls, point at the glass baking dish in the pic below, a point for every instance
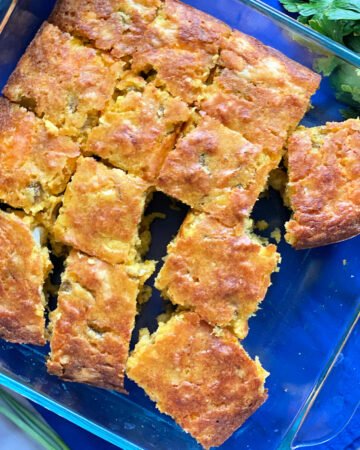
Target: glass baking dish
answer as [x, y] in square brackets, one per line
[304, 322]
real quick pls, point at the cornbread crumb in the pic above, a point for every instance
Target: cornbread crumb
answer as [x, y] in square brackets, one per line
[145, 232]
[63, 80]
[24, 267]
[276, 234]
[206, 382]
[102, 211]
[324, 184]
[262, 225]
[221, 273]
[35, 163]
[94, 319]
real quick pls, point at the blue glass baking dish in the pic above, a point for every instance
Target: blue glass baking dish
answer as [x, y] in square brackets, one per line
[309, 311]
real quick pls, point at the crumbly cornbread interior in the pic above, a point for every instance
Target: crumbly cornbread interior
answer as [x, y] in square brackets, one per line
[112, 100]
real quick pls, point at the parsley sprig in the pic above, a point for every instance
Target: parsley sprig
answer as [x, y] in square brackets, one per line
[340, 21]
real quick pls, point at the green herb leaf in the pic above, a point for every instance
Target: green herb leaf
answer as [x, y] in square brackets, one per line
[29, 423]
[339, 20]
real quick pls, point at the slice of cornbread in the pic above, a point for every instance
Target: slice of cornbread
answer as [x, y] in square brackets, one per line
[324, 184]
[215, 169]
[92, 325]
[180, 48]
[102, 211]
[202, 377]
[138, 130]
[259, 92]
[221, 273]
[113, 25]
[35, 162]
[64, 81]
[24, 266]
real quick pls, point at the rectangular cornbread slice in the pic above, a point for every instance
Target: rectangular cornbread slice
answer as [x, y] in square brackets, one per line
[200, 376]
[215, 169]
[138, 130]
[24, 266]
[324, 184]
[92, 325]
[180, 49]
[221, 273]
[35, 162]
[112, 25]
[101, 212]
[259, 92]
[63, 80]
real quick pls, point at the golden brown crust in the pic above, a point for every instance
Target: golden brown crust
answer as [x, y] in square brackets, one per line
[93, 322]
[219, 272]
[259, 92]
[64, 81]
[324, 184]
[113, 25]
[205, 381]
[35, 162]
[215, 169]
[138, 130]
[101, 212]
[180, 48]
[23, 269]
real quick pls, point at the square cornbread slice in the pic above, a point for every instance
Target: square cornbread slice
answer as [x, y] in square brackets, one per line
[35, 162]
[112, 25]
[179, 49]
[217, 170]
[221, 273]
[24, 266]
[101, 212]
[92, 324]
[138, 130]
[63, 80]
[259, 92]
[324, 184]
[200, 376]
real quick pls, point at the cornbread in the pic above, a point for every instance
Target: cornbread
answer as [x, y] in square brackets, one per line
[259, 92]
[200, 376]
[63, 81]
[221, 273]
[24, 266]
[215, 169]
[180, 49]
[112, 25]
[138, 130]
[157, 96]
[324, 184]
[35, 162]
[102, 211]
[94, 319]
